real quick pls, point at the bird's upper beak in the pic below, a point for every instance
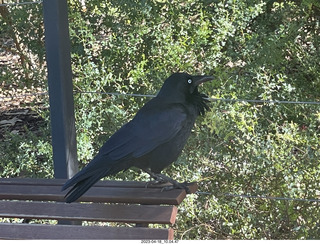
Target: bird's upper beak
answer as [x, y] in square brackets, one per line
[199, 79]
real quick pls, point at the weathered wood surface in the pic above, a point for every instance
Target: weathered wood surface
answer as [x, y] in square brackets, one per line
[150, 214]
[110, 201]
[104, 191]
[37, 231]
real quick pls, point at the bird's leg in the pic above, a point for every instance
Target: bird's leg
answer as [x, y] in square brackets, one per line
[161, 179]
[157, 179]
[175, 184]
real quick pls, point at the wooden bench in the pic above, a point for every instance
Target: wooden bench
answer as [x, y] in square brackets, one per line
[108, 202]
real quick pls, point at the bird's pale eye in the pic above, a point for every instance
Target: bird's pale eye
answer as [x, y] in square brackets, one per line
[189, 81]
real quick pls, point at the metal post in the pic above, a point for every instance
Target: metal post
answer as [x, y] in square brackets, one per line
[58, 56]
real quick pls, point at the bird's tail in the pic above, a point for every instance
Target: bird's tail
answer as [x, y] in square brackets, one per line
[80, 186]
[85, 179]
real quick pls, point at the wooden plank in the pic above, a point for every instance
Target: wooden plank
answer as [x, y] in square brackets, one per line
[95, 194]
[60, 182]
[98, 194]
[150, 214]
[58, 232]
[105, 183]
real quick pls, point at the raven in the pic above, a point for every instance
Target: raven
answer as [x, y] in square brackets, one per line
[152, 140]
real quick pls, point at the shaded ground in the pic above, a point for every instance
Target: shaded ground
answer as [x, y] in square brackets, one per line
[19, 121]
[17, 110]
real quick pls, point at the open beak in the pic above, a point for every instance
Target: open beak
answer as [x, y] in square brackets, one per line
[199, 79]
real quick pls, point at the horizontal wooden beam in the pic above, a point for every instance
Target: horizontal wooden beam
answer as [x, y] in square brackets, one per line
[104, 191]
[73, 232]
[122, 213]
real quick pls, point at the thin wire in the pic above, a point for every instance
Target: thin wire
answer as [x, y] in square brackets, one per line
[148, 95]
[15, 4]
[212, 99]
[116, 94]
[263, 101]
[261, 197]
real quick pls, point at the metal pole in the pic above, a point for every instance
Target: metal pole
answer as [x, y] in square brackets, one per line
[58, 56]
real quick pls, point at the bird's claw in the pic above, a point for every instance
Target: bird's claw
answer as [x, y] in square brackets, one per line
[163, 179]
[155, 182]
[177, 186]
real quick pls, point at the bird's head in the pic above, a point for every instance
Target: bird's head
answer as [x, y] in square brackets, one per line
[182, 85]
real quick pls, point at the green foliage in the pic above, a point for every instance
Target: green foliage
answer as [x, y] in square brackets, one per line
[22, 35]
[29, 155]
[256, 49]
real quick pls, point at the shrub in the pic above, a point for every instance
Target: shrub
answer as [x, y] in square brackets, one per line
[263, 50]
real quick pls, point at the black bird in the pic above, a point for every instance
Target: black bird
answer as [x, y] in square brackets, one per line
[152, 140]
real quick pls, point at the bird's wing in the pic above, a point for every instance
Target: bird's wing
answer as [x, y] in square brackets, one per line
[148, 130]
